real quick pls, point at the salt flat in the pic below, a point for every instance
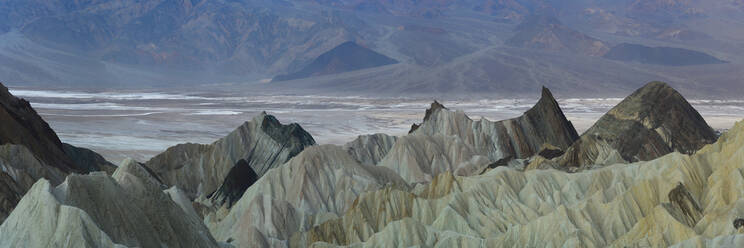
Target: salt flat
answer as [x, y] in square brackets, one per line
[140, 124]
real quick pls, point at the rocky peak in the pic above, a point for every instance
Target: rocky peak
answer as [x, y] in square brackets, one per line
[653, 121]
[292, 134]
[659, 108]
[435, 106]
[548, 111]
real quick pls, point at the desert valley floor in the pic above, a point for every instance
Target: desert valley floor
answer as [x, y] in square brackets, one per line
[141, 124]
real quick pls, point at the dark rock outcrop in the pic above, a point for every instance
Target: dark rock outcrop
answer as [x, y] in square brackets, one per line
[200, 169]
[548, 151]
[738, 223]
[651, 122]
[88, 160]
[240, 177]
[344, 58]
[684, 207]
[668, 56]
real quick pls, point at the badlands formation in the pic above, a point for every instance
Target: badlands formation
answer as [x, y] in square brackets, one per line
[650, 173]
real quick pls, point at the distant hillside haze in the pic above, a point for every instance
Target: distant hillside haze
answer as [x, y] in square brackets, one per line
[660, 55]
[444, 47]
[348, 56]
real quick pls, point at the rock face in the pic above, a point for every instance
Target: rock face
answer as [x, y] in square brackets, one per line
[520, 137]
[98, 210]
[419, 158]
[370, 149]
[653, 121]
[199, 169]
[240, 177]
[320, 183]
[346, 57]
[548, 33]
[660, 55]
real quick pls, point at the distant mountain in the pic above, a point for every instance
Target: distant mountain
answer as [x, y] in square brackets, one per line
[346, 57]
[548, 33]
[445, 47]
[660, 55]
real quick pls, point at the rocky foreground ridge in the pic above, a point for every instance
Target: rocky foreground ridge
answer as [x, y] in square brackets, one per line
[30, 150]
[651, 173]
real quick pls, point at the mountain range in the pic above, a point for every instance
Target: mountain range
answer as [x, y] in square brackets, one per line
[444, 48]
[650, 172]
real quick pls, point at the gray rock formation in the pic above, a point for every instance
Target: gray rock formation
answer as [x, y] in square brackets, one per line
[199, 169]
[520, 137]
[19, 169]
[370, 149]
[97, 210]
[451, 141]
[41, 220]
[653, 121]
